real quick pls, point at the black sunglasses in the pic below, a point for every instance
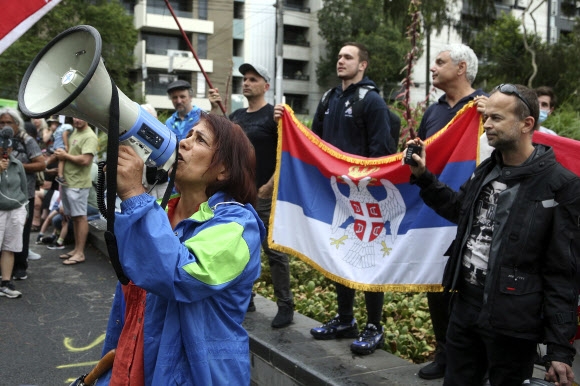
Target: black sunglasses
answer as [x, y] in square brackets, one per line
[510, 89]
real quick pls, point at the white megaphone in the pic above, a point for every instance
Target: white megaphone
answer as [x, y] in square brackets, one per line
[68, 77]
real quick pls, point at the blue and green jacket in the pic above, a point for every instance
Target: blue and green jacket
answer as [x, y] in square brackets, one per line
[199, 279]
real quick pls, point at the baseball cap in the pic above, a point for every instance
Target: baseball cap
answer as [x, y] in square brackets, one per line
[178, 85]
[53, 118]
[257, 69]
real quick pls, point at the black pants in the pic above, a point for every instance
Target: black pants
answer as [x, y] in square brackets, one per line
[439, 305]
[279, 263]
[374, 303]
[20, 258]
[471, 351]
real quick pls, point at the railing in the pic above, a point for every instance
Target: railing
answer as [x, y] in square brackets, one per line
[297, 42]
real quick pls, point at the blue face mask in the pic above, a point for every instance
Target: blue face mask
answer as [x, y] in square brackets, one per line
[543, 115]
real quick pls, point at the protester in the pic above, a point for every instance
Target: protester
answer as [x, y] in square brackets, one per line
[453, 72]
[547, 100]
[26, 150]
[74, 195]
[514, 261]
[376, 141]
[258, 124]
[186, 114]
[61, 141]
[180, 318]
[13, 200]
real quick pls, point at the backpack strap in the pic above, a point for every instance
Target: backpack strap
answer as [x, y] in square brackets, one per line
[324, 101]
[357, 112]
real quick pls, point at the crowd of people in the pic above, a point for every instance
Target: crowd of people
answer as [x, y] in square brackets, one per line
[180, 315]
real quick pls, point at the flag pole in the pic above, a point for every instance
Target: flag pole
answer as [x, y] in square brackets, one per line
[222, 108]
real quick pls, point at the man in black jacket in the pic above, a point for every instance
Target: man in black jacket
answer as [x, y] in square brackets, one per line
[513, 262]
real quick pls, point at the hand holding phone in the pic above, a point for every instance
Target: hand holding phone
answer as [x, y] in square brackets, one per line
[412, 149]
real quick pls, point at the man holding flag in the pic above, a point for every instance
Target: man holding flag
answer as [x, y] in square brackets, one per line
[339, 128]
[453, 72]
[513, 262]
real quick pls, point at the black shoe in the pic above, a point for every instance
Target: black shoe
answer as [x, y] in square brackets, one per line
[19, 274]
[432, 371]
[48, 239]
[252, 306]
[284, 316]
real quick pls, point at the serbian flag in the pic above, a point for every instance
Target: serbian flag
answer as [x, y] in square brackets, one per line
[18, 16]
[358, 220]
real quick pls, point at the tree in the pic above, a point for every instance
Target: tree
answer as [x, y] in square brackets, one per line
[502, 52]
[341, 21]
[107, 16]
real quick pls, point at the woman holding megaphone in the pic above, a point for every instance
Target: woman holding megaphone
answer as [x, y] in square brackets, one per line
[191, 267]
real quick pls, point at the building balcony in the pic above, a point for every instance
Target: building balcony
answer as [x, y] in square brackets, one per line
[182, 60]
[296, 52]
[296, 86]
[165, 22]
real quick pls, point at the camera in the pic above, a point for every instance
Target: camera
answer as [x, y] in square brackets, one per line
[412, 149]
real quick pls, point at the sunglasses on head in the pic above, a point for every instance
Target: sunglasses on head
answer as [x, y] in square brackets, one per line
[510, 89]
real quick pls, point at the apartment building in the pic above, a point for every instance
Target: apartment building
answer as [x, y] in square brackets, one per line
[225, 34]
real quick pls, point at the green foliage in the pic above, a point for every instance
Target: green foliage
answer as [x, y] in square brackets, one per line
[107, 16]
[408, 328]
[565, 121]
[502, 54]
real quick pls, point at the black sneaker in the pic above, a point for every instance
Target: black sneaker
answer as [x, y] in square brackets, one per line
[8, 290]
[369, 340]
[335, 329]
[433, 370]
[48, 239]
[284, 316]
[19, 274]
[55, 245]
[252, 306]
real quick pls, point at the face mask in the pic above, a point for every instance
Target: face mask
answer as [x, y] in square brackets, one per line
[543, 115]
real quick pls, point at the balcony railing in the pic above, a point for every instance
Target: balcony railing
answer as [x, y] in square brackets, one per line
[296, 7]
[296, 76]
[297, 42]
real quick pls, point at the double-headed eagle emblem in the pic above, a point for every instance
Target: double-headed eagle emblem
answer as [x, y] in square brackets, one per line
[370, 219]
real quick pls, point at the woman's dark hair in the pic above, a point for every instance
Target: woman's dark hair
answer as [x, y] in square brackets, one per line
[234, 150]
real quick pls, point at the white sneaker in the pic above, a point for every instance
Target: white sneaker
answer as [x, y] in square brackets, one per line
[9, 291]
[33, 255]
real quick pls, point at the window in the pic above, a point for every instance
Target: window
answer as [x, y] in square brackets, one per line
[158, 44]
[202, 46]
[180, 7]
[202, 9]
[157, 82]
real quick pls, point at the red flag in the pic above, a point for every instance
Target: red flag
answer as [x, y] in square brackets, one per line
[18, 16]
[566, 149]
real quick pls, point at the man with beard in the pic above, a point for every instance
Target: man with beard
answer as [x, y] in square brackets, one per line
[525, 290]
[186, 114]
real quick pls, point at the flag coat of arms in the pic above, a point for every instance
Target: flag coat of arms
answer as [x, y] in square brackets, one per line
[358, 220]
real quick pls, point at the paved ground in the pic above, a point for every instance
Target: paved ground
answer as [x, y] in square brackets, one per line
[54, 332]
